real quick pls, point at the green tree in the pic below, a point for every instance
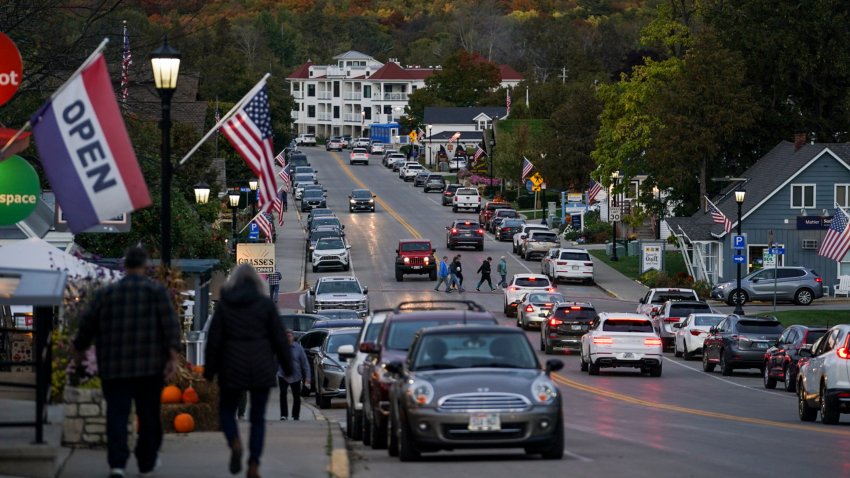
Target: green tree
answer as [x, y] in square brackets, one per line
[464, 79]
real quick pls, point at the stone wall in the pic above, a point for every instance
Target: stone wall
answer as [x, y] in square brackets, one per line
[84, 425]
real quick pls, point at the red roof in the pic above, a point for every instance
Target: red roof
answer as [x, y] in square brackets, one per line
[393, 71]
[302, 71]
[508, 73]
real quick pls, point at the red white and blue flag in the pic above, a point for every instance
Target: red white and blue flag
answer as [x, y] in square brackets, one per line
[86, 152]
[593, 191]
[286, 178]
[264, 222]
[718, 217]
[479, 152]
[836, 243]
[454, 137]
[526, 168]
[281, 159]
[249, 130]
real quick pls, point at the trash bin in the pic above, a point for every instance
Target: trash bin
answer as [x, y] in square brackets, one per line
[634, 248]
[620, 249]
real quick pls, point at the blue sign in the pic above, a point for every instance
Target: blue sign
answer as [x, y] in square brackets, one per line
[739, 242]
[576, 222]
[814, 222]
[738, 259]
[254, 231]
[529, 185]
[776, 250]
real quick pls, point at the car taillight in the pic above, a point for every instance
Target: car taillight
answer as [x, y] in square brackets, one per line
[844, 352]
[652, 341]
[818, 279]
[512, 289]
[506, 229]
[554, 322]
[672, 319]
[454, 230]
[551, 289]
[447, 193]
[560, 263]
[603, 340]
[481, 231]
[529, 308]
[588, 264]
[696, 333]
[548, 306]
[575, 307]
[479, 199]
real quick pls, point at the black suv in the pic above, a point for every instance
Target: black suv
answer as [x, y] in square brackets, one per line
[434, 182]
[449, 193]
[739, 342]
[361, 200]
[564, 325]
[465, 232]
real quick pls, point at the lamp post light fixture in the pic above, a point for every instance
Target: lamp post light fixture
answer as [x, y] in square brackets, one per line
[202, 193]
[615, 176]
[739, 309]
[252, 185]
[657, 194]
[233, 196]
[428, 131]
[165, 65]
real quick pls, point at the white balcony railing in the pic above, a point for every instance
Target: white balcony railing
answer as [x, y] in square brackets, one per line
[325, 95]
[294, 114]
[324, 116]
[352, 117]
[297, 94]
[390, 96]
[352, 96]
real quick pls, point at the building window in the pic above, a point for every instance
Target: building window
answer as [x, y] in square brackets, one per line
[802, 196]
[367, 91]
[842, 194]
[631, 192]
[388, 110]
[296, 86]
[368, 111]
[311, 111]
[336, 89]
[311, 90]
[336, 111]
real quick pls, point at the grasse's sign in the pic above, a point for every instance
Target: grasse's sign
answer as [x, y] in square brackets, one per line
[261, 256]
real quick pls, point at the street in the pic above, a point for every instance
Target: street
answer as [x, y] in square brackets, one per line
[620, 423]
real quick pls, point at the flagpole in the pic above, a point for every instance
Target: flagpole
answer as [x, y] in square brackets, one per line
[86, 63]
[252, 220]
[216, 136]
[226, 117]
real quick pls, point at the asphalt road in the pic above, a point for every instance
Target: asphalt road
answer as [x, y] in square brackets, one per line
[686, 423]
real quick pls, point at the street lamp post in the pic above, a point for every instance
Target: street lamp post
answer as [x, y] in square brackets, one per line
[428, 130]
[543, 191]
[165, 65]
[615, 176]
[202, 193]
[659, 217]
[492, 146]
[252, 185]
[233, 196]
[739, 309]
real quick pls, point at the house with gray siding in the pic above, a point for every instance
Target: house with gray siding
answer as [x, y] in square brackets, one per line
[790, 199]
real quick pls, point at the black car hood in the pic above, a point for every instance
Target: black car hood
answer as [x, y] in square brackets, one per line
[480, 380]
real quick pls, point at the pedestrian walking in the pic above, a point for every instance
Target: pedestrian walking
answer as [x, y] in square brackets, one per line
[283, 200]
[443, 275]
[274, 285]
[134, 327]
[300, 372]
[245, 340]
[502, 269]
[484, 270]
[457, 269]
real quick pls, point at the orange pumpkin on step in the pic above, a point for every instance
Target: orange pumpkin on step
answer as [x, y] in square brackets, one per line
[184, 423]
[171, 394]
[198, 369]
[190, 395]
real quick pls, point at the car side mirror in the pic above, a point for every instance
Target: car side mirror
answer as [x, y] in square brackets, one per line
[346, 352]
[642, 300]
[806, 351]
[677, 326]
[553, 365]
[395, 367]
[365, 290]
[369, 347]
[712, 330]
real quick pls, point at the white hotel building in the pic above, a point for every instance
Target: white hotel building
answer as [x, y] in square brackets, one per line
[358, 91]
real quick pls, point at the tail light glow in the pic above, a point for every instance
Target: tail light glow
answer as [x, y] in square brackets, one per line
[560, 263]
[652, 341]
[512, 288]
[481, 231]
[529, 308]
[603, 340]
[672, 319]
[818, 279]
[696, 333]
[554, 322]
[551, 289]
[454, 230]
[844, 352]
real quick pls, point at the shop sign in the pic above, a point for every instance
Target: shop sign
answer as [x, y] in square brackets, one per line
[11, 68]
[19, 190]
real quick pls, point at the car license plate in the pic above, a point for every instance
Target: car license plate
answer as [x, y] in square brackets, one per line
[575, 327]
[628, 355]
[483, 422]
[761, 345]
[415, 267]
[575, 268]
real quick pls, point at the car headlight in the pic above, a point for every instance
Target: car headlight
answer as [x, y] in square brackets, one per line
[420, 392]
[543, 390]
[406, 260]
[371, 201]
[353, 201]
[723, 286]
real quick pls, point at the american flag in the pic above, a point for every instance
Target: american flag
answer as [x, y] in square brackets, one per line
[265, 224]
[250, 133]
[281, 159]
[836, 243]
[526, 168]
[479, 152]
[508, 102]
[278, 208]
[286, 178]
[593, 191]
[717, 216]
[126, 61]
[454, 137]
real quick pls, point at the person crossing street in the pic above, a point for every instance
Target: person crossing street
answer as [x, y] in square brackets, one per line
[484, 270]
[502, 269]
[443, 276]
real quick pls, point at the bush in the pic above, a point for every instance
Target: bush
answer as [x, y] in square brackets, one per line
[654, 278]
[702, 288]
[510, 195]
[525, 202]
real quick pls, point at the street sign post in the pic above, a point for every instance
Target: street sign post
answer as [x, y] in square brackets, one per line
[616, 213]
[738, 259]
[739, 242]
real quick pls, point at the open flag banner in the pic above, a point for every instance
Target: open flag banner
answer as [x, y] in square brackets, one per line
[86, 152]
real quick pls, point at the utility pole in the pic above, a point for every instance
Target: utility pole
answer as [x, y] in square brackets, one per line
[563, 75]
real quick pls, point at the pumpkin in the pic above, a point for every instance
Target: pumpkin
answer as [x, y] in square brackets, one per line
[190, 395]
[184, 423]
[171, 394]
[198, 369]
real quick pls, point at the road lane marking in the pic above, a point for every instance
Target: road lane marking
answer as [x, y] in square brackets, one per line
[712, 375]
[692, 411]
[392, 212]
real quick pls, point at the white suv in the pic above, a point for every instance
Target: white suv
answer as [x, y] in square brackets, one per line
[523, 233]
[823, 382]
[621, 340]
[519, 285]
[569, 264]
[409, 171]
[331, 252]
[353, 378]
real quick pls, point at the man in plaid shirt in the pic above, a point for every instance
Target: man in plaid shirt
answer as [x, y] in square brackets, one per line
[274, 284]
[134, 327]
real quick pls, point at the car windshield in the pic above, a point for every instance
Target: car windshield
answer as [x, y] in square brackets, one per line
[335, 341]
[683, 310]
[303, 170]
[400, 333]
[361, 194]
[467, 192]
[436, 178]
[544, 237]
[707, 320]
[416, 247]
[303, 178]
[468, 225]
[316, 235]
[506, 213]
[414, 166]
[473, 349]
[325, 221]
[321, 212]
[545, 298]
[531, 282]
[340, 314]
[317, 193]
[663, 297]
[813, 335]
[627, 325]
[574, 313]
[373, 331]
[759, 327]
[330, 243]
[338, 287]
[512, 222]
[452, 188]
[358, 151]
[575, 256]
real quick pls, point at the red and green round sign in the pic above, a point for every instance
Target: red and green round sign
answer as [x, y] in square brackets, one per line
[11, 68]
[19, 190]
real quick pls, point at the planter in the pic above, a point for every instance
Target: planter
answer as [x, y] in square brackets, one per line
[84, 425]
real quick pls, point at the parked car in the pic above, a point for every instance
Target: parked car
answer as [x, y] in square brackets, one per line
[509, 402]
[780, 360]
[499, 215]
[361, 143]
[523, 233]
[568, 264]
[564, 324]
[449, 193]
[691, 333]
[655, 298]
[823, 382]
[298, 158]
[345, 141]
[508, 228]
[361, 200]
[354, 378]
[376, 147]
[337, 292]
[387, 153]
[489, 209]
[358, 155]
[672, 313]
[739, 342]
[409, 171]
[466, 198]
[307, 170]
[434, 182]
[326, 221]
[457, 163]
[313, 198]
[298, 324]
[398, 163]
[331, 252]
[318, 212]
[306, 139]
[321, 232]
[415, 256]
[334, 144]
[421, 177]
[538, 243]
[392, 158]
[329, 368]
[801, 285]
[464, 232]
[393, 344]
[521, 284]
[621, 340]
[534, 306]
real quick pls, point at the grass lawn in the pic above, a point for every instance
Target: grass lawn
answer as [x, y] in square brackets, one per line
[629, 266]
[811, 317]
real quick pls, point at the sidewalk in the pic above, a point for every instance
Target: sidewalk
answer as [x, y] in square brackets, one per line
[290, 250]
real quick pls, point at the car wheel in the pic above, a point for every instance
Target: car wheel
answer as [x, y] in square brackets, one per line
[655, 371]
[480, 247]
[506, 309]
[804, 297]
[454, 209]
[592, 368]
[829, 412]
[407, 450]
[346, 267]
[399, 276]
[726, 368]
[349, 422]
[685, 353]
[806, 412]
[357, 425]
[556, 451]
[542, 344]
[790, 379]
[769, 382]
[737, 295]
[583, 365]
[379, 433]
[706, 365]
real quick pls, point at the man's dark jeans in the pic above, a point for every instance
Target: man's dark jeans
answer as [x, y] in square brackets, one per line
[273, 292]
[228, 402]
[119, 394]
[296, 397]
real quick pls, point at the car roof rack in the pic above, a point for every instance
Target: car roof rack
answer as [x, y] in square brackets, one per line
[439, 305]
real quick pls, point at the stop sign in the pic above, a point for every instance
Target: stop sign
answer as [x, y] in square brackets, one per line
[11, 68]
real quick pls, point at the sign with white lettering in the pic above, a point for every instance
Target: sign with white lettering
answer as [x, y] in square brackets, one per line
[651, 256]
[19, 190]
[11, 68]
[259, 255]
